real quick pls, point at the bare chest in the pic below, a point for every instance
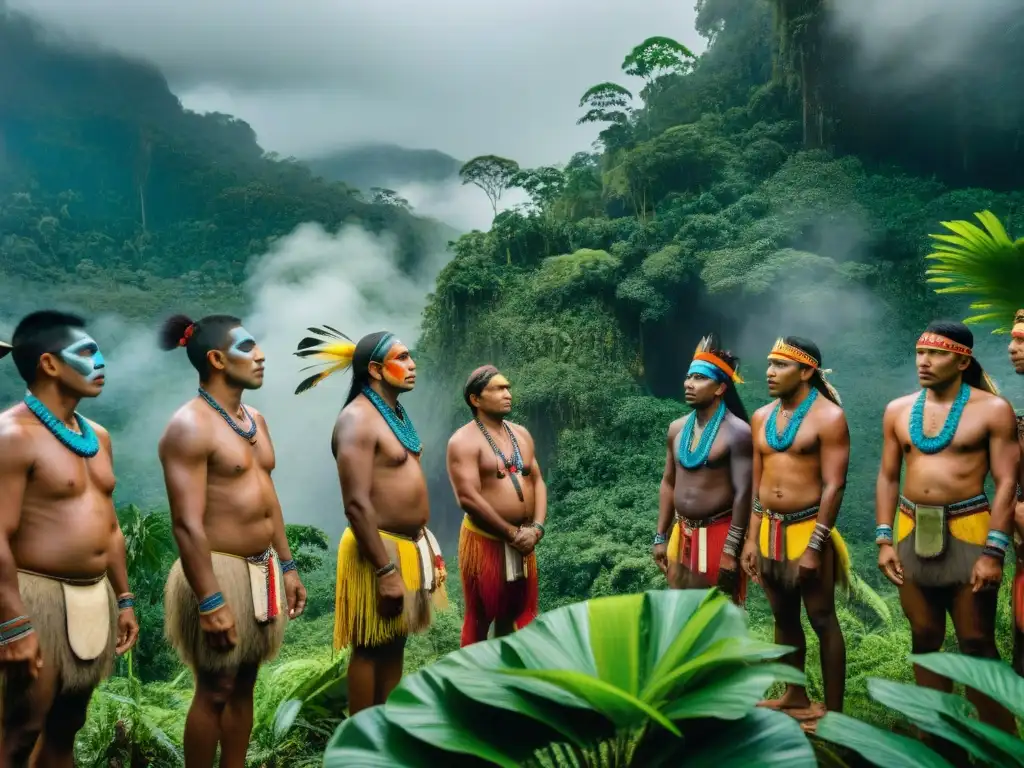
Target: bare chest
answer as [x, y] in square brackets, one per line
[971, 435]
[60, 474]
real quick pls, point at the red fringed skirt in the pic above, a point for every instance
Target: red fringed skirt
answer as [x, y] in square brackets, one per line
[690, 547]
[486, 593]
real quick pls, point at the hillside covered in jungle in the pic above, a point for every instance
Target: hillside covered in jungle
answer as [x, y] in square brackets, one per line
[766, 187]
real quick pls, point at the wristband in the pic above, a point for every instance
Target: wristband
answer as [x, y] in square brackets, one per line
[288, 565]
[15, 629]
[210, 604]
[384, 570]
[539, 527]
[996, 552]
[883, 534]
[126, 601]
[659, 539]
[733, 541]
[818, 537]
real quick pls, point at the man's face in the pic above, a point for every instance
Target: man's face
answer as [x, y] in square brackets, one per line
[700, 391]
[496, 397]
[785, 377]
[78, 365]
[398, 369]
[243, 360]
[939, 367]
[1016, 350]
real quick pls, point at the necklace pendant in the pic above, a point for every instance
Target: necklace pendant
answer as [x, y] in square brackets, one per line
[500, 474]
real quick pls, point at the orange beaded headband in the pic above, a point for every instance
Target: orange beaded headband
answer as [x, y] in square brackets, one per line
[720, 364]
[784, 351]
[935, 341]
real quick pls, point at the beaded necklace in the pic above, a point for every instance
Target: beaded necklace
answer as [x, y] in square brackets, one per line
[512, 466]
[941, 441]
[699, 456]
[399, 421]
[784, 441]
[86, 444]
[247, 434]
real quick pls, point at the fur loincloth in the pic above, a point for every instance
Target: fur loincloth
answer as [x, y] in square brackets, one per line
[257, 642]
[783, 539]
[419, 562]
[488, 593]
[695, 551]
[80, 650]
[968, 524]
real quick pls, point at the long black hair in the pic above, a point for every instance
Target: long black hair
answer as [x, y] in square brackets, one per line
[974, 375]
[817, 380]
[361, 360]
[731, 397]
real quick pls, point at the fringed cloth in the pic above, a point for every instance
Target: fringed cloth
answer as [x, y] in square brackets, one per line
[356, 619]
[695, 546]
[783, 539]
[488, 590]
[253, 589]
[1018, 608]
[968, 524]
[75, 623]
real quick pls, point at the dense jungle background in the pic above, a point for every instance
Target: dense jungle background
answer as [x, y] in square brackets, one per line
[759, 189]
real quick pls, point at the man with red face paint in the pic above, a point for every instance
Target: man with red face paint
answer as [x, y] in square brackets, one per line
[390, 569]
[705, 489]
[1016, 350]
[231, 594]
[946, 552]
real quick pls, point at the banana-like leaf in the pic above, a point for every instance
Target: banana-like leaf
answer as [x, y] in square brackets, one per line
[991, 677]
[877, 746]
[1011, 747]
[369, 740]
[732, 695]
[763, 738]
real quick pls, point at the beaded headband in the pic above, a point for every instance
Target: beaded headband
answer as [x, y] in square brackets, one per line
[935, 341]
[784, 351]
[703, 353]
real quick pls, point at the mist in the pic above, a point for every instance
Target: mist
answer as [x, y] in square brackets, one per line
[462, 206]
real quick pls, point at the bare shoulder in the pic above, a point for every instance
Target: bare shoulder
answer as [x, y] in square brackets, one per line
[675, 427]
[829, 416]
[900, 404]
[354, 423]
[102, 434]
[996, 407]
[17, 436]
[464, 437]
[520, 431]
[762, 413]
[187, 433]
[738, 428]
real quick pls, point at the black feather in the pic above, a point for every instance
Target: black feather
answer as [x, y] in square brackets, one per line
[335, 330]
[307, 352]
[309, 383]
[322, 332]
[308, 342]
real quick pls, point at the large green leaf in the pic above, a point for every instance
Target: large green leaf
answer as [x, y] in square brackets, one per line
[1011, 747]
[991, 677]
[665, 618]
[615, 639]
[878, 747]
[370, 741]
[734, 694]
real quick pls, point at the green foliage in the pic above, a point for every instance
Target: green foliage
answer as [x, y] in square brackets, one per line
[632, 680]
[492, 174]
[305, 542]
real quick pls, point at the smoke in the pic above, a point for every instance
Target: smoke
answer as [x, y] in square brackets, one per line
[910, 44]
[348, 280]
[459, 205]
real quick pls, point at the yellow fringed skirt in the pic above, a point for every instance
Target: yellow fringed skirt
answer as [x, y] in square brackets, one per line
[357, 621]
[783, 539]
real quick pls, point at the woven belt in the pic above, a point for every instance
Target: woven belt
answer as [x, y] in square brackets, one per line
[707, 522]
[788, 518]
[971, 506]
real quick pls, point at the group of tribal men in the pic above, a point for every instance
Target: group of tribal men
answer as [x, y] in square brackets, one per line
[758, 498]
[66, 609]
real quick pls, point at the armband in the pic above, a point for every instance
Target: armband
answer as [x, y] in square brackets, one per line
[15, 629]
[883, 534]
[125, 601]
[210, 604]
[288, 565]
[384, 570]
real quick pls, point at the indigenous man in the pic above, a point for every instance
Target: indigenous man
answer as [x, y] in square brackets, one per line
[492, 465]
[801, 454]
[709, 492]
[390, 568]
[1017, 359]
[235, 587]
[947, 550]
[65, 608]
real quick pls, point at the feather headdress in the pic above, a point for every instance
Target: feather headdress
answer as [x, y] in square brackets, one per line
[335, 353]
[984, 263]
[707, 353]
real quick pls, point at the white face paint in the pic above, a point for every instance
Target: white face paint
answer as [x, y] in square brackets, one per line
[84, 356]
[243, 345]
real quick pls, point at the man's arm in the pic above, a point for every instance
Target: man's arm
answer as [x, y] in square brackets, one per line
[357, 445]
[887, 486]
[280, 539]
[464, 474]
[741, 459]
[117, 557]
[1004, 464]
[184, 451]
[754, 523]
[666, 493]
[15, 465]
[540, 488]
[835, 461]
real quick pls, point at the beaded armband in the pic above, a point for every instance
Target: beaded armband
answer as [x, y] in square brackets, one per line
[756, 504]
[539, 527]
[659, 539]
[125, 601]
[15, 629]
[996, 545]
[210, 604]
[883, 534]
[288, 565]
[384, 570]
[733, 541]
[818, 537]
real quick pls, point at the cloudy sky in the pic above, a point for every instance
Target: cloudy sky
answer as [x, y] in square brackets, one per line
[467, 77]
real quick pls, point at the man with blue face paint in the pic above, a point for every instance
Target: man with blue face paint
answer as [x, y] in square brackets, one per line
[235, 587]
[65, 608]
[704, 503]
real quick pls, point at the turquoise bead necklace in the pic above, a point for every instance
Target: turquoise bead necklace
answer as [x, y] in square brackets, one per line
[698, 457]
[86, 444]
[399, 421]
[941, 441]
[784, 441]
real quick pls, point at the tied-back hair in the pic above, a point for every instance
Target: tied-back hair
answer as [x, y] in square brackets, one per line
[361, 360]
[818, 380]
[974, 375]
[477, 383]
[39, 333]
[336, 352]
[198, 337]
[731, 398]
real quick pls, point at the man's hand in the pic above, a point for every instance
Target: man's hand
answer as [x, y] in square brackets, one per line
[532, 536]
[728, 575]
[522, 540]
[749, 561]
[660, 554]
[127, 631]
[219, 628]
[22, 657]
[810, 565]
[889, 564]
[727, 563]
[390, 595]
[987, 574]
[296, 594]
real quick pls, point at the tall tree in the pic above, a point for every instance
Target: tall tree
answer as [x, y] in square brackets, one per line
[609, 103]
[492, 174]
[655, 60]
